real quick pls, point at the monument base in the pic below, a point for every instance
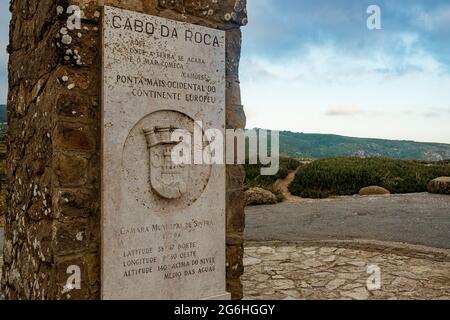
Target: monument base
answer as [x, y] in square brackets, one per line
[225, 296]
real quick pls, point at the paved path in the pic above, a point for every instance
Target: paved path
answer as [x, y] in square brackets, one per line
[413, 218]
[1, 257]
[292, 272]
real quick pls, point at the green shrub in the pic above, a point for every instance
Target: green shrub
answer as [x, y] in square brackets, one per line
[346, 176]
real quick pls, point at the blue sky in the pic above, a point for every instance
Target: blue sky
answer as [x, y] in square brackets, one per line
[4, 26]
[313, 66]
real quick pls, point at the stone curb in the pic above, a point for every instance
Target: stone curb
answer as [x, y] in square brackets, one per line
[409, 250]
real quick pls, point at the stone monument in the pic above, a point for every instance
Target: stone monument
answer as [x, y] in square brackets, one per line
[94, 109]
[163, 223]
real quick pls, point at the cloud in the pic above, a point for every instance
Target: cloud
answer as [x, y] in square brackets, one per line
[313, 66]
[329, 64]
[431, 114]
[433, 20]
[323, 87]
[437, 112]
[342, 111]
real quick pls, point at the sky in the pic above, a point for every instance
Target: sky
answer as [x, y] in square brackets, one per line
[313, 66]
[4, 26]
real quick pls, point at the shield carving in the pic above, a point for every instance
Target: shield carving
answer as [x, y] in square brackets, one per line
[167, 179]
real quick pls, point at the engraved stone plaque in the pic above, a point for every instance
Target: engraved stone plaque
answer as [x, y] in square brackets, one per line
[163, 222]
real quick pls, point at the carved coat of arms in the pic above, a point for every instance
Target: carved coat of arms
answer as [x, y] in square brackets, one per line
[168, 179]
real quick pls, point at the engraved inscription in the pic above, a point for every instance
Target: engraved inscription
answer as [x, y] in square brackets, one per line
[163, 221]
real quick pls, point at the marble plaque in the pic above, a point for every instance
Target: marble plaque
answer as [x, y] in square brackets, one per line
[163, 223]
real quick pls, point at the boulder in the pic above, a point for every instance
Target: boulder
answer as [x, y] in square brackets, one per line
[259, 196]
[439, 185]
[373, 191]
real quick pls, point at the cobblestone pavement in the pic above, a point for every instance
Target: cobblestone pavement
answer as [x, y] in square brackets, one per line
[1, 264]
[321, 272]
[1, 257]
[275, 270]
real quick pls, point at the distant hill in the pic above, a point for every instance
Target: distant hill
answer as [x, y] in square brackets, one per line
[319, 146]
[3, 117]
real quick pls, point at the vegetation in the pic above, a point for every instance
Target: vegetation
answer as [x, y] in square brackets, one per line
[335, 176]
[321, 146]
[346, 176]
[3, 114]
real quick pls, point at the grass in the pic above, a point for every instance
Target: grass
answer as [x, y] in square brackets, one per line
[346, 176]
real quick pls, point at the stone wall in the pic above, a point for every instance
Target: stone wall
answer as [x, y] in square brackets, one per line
[53, 165]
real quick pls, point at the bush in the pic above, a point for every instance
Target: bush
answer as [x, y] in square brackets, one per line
[255, 179]
[346, 176]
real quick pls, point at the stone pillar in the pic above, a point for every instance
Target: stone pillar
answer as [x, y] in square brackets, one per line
[53, 162]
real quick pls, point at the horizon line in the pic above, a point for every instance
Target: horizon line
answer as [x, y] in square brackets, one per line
[355, 137]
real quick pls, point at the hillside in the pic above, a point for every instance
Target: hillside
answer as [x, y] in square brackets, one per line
[319, 146]
[3, 117]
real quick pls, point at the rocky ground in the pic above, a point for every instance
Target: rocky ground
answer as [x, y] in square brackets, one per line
[321, 272]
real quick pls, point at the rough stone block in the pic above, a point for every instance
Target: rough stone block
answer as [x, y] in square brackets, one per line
[70, 237]
[74, 137]
[54, 141]
[71, 170]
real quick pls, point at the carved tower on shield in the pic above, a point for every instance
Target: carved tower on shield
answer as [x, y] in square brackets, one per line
[167, 178]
